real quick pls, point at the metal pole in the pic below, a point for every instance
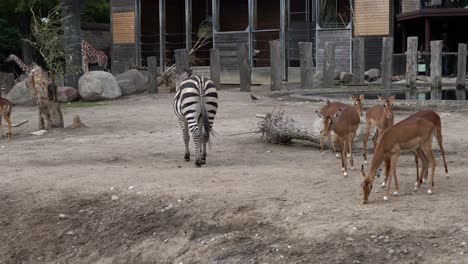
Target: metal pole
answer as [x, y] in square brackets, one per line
[188, 24]
[162, 35]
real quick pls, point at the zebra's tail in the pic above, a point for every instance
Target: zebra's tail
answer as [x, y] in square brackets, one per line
[206, 120]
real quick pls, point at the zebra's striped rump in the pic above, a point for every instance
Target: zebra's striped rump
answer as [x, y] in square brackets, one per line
[196, 104]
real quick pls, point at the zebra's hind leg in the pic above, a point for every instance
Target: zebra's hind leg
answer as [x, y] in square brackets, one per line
[198, 140]
[186, 136]
[205, 140]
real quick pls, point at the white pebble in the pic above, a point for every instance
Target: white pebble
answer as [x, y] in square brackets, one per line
[131, 187]
[114, 197]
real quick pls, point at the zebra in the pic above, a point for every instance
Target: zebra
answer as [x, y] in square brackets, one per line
[195, 105]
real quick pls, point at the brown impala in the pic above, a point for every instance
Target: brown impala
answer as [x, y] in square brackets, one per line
[5, 109]
[411, 134]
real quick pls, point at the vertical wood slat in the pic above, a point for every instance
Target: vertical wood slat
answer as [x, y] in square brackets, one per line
[153, 71]
[275, 62]
[436, 69]
[328, 64]
[387, 62]
[411, 67]
[162, 35]
[245, 70]
[461, 72]
[307, 64]
[359, 66]
[215, 67]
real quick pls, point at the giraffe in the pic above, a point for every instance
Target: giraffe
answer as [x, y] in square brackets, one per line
[91, 55]
[25, 68]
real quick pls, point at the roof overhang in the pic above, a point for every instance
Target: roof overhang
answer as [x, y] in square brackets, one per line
[432, 12]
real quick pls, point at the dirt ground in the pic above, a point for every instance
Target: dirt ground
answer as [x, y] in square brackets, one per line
[120, 191]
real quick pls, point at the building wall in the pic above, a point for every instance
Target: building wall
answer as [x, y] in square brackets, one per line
[342, 38]
[123, 50]
[409, 5]
[371, 17]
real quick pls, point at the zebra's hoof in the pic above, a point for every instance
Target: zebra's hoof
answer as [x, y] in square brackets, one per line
[198, 164]
[187, 157]
[203, 162]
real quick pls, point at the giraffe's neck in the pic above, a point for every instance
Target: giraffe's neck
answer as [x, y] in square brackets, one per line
[25, 68]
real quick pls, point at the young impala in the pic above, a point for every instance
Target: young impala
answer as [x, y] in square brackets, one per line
[411, 134]
[328, 111]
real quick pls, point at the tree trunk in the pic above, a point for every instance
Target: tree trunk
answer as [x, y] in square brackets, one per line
[71, 11]
[50, 114]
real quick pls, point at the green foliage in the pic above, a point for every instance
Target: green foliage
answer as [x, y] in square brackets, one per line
[9, 40]
[96, 11]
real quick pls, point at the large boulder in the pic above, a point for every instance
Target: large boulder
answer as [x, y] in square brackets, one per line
[98, 85]
[346, 77]
[21, 94]
[132, 81]
[67, 94]
[336, 75]
[372, 75]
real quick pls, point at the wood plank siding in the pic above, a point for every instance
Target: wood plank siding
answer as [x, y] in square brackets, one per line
[409, 5]
[342, 38]
[371, 17]
[227, 45]
[123, 53]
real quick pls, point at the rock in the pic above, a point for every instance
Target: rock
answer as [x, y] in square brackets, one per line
[132, 81]
[372, 75]
[39, 132]
[67, 94]
[114, 197]
[63, 216]
[98, 85]
[21, 94]
[346, 77]
[318, 76]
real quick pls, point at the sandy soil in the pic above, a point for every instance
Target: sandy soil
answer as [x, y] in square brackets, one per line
[119, 191]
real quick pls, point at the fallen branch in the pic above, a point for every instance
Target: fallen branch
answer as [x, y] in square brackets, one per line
[17, 125]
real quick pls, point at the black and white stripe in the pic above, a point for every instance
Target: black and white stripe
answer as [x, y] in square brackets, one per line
[196, 104]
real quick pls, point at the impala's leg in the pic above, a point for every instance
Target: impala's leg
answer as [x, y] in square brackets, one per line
[1, 129]
[424, 167]
[331, 142]
[343, 156]
[6, 117]
[393, 160]
[416, 161]
[387, 172]
[364, 141]
[185, 134]
[427, 149]
[351, 142]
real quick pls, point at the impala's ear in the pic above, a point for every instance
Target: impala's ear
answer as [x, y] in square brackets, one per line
[381, 98]
[318, 114]
[361, 97]
[352, 97]
[391, 99]
[363, 173]
[328, 102]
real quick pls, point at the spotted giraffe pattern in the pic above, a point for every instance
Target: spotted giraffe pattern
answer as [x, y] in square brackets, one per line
[25, 68]
[91, 55]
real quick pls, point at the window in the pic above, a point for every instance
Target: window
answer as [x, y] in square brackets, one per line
[334, 13]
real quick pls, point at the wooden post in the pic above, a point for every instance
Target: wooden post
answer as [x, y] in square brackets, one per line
[153, 71]
[461, 72]
[359, 66]
[182, 61]
[436, 70]
[275, 65]
[215, 67]
[411, 67]
[252, 25]
[284, 26]
[307, 64]
[328, 64]
[162, 35]
[387, 62]
[188, 24]
[245, 70]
